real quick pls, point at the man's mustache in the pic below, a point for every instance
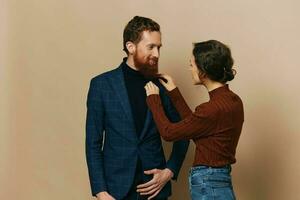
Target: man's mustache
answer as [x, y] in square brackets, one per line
[155, 59]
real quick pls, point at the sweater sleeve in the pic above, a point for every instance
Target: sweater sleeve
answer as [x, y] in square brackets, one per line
[201, 123]
[180, 147]
[179, 103]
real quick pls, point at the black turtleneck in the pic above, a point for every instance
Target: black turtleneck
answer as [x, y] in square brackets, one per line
[135, 83]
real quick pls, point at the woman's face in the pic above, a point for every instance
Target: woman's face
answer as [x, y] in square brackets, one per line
[195, 71]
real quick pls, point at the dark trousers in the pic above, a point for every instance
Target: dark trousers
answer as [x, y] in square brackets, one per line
[133, 195]
[138, 179]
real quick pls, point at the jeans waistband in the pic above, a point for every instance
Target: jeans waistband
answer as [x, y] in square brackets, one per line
[199, 168]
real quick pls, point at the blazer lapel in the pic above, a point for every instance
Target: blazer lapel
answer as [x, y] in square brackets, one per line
[118, 84]
[148, 125]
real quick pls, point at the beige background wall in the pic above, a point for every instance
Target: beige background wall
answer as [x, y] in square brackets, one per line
[50, 49]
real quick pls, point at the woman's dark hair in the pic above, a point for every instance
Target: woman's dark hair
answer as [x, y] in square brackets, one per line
[214, 59]
[135, 27]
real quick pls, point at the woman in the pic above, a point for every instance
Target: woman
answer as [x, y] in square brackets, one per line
[215, 126]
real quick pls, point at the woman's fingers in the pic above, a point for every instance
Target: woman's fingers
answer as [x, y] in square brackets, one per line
[166, 76]
[151, 88]
[163, 83]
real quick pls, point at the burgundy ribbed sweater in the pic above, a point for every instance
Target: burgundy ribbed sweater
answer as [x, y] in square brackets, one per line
[215, 126]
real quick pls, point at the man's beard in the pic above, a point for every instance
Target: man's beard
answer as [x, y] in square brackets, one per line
[148, 68]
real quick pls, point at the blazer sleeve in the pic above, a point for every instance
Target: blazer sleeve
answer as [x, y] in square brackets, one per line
[94, 138]
[179, 147]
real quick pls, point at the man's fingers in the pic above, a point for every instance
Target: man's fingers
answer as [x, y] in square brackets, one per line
[146, 190]
[151, 171]
[146, 184]
[152, 181]
[154, 195]
[151, 192]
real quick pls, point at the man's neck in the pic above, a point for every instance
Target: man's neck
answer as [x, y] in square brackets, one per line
[130, 63]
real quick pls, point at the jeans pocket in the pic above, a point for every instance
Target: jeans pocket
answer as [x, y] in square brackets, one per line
[197, 179]
[201, 192]
[218, 181]
[211, 185]
[225, 193]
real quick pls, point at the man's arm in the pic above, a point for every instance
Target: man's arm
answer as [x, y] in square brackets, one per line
[94, 139]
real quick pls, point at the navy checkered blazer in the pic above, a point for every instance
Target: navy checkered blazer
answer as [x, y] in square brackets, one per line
[112, 144]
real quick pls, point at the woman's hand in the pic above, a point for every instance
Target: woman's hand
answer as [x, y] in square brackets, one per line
[151, 88]
[169, 85]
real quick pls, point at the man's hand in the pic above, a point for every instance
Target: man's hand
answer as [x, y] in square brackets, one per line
[104, 196]
[154, 186]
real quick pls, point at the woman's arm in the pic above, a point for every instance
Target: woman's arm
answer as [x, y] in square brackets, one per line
[179, 103]
[194, 125]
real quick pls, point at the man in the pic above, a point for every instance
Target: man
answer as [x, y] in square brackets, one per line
[123, 147]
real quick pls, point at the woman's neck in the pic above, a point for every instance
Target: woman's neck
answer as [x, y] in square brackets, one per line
[211, 85]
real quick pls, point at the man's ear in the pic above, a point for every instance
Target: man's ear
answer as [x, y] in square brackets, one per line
[131, 47]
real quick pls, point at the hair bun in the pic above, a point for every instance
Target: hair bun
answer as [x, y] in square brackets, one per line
[229, 74]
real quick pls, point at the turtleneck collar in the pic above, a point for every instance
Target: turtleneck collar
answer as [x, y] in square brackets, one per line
[218, 91]
[128, 70]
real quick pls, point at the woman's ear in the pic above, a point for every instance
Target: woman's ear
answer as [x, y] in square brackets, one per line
[131, 47]
[202, 75]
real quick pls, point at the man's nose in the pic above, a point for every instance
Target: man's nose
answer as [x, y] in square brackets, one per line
[155, 52]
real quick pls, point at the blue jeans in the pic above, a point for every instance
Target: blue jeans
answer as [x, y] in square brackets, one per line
[208, 183]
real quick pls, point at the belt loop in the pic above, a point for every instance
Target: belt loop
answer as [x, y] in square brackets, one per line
[210, 170]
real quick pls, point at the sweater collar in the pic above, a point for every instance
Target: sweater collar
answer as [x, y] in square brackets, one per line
[218, 91]
[128, 70]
